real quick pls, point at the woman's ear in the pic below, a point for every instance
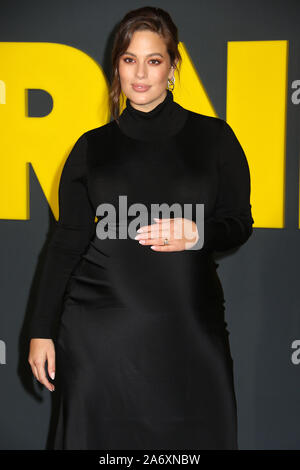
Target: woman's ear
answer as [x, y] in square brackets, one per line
[172, 70]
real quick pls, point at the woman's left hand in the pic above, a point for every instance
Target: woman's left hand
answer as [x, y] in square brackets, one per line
[181, 233]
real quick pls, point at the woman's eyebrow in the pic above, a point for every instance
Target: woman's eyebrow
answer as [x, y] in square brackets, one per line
[148, 55]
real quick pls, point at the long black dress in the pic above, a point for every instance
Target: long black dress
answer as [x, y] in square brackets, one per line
[142, 347]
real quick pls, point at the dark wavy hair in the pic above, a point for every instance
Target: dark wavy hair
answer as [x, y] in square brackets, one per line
[145, 18]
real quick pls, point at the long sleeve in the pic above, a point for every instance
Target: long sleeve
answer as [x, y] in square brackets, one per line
[231, 224]
[69, 240]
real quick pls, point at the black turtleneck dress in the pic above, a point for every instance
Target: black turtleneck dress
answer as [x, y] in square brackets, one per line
[142, 351]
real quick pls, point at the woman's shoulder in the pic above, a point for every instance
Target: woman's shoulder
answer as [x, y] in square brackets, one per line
[204, 120]
[214, 128]
[204, 124]
[101, 131]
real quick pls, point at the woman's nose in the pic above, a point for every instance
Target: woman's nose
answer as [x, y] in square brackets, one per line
[140, 71]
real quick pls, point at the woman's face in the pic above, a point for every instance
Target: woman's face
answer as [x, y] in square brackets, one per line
[146, 62]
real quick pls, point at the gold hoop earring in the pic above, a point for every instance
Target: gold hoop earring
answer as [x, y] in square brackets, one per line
[171, 84]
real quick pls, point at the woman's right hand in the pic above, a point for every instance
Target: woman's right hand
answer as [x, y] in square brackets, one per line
[42, 349]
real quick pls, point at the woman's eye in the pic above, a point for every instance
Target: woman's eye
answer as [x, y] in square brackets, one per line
[129, 60]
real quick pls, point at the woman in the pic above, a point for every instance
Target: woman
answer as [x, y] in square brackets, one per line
[142, 348]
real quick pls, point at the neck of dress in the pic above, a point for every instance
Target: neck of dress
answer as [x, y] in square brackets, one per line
[165, 120]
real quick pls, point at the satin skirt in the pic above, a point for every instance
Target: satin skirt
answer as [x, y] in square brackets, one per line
[143, 354]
